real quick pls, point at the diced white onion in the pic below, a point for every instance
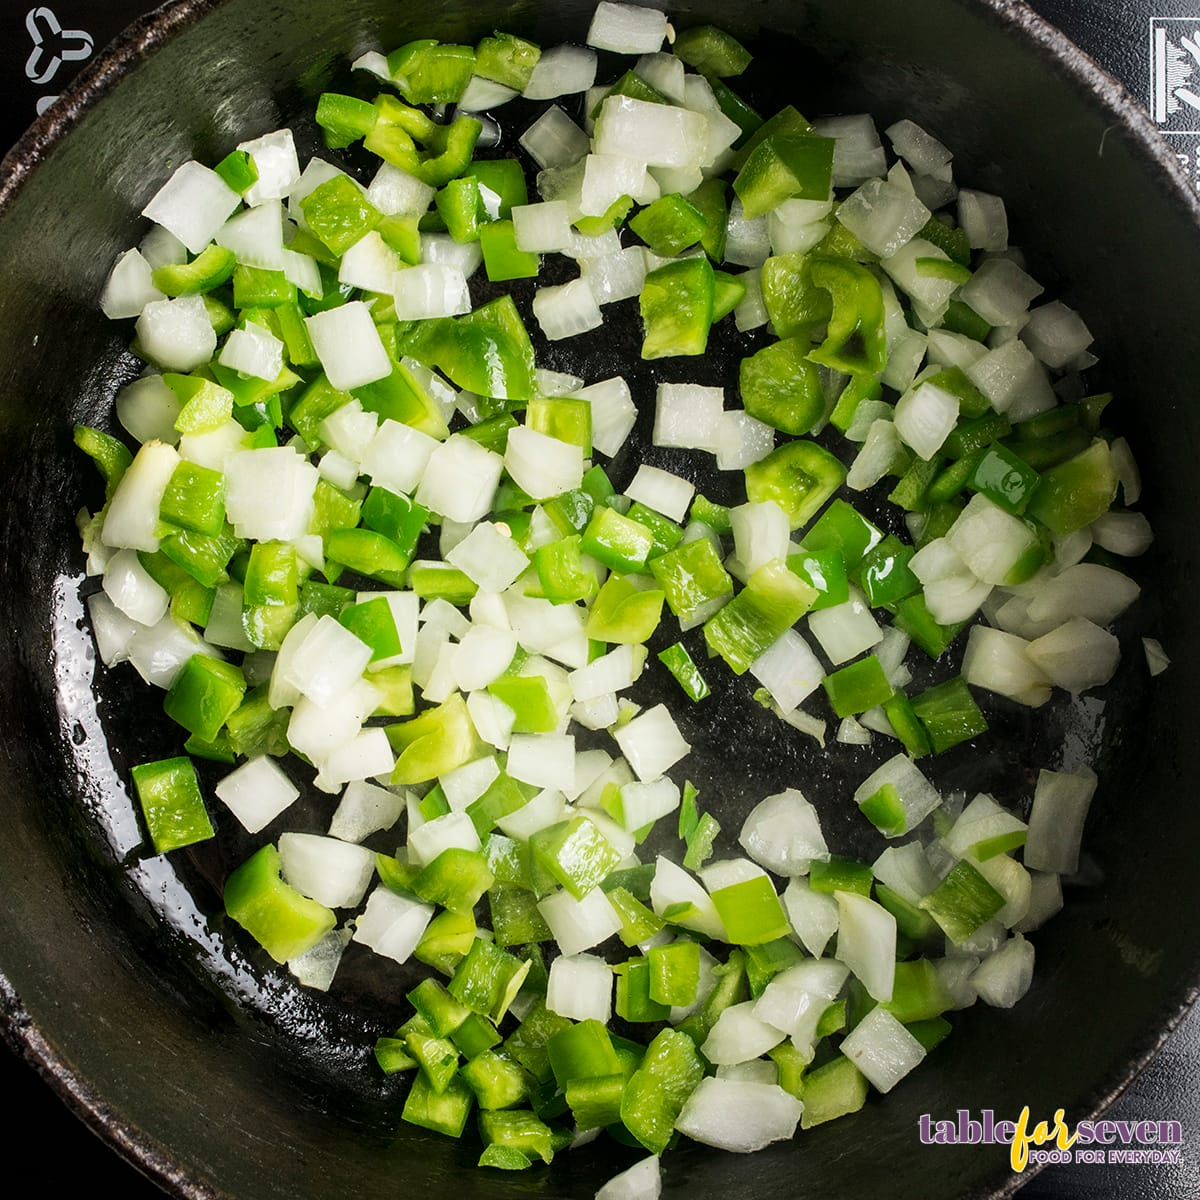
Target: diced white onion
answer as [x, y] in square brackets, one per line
[1004, 977]
[561, 71]
[348, 345]
[129, 287]
[867, 943]
[392, 924]
[1060, 806]
[580, 987]
[783, 834]
[566, 310]
[332, 872]
[193, 204]
[627, 28]
[882, 1049]
[739, 1115]
[257, 792]
[176, 334]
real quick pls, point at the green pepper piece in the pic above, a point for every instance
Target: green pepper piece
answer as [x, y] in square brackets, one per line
[436, 580]
[443, 1112]
[633, 999]
[751, 911]
[679, 662]
[824, 570]
[1075, 493]
[884, 574]
[456, 880]
[278, 917]
[488, 979]
[728, 292]
[669, 225]
[476, 1035]
[487, 352]
[504, 179]
[842, 527]
[832, 1090]
[974, 433]
[575, 854]
[618, 542]
[781, 387]
[657, 1090]
[444, 943]
[344, 119]
[949, 713]
[674, 972]
[561, 571]
[112, 457]
[911, 732]
[459, 206]
[799, 476]
[530, 698]
[434, 743]
[238, 171]
[637, 921]
[677, 307]
[624, 613]
[195, 499]
[271, 597]
[794, 303]
[313, 405]
[339, 213]
[711, 51]
[857, 687]
[256, 728]
[369, 553]
[497, 1081]
[772, 601]
[516, 918]
[255, 287]
[952, 239]
[855, 341]
[1004, 479]
[210, 268]
[205, 692]
[206, 404]
[501, 257]
[710, 201]
[913, 616]
[396, 517]
[430, 72]
[962, 902]
[692, 578]
[400, 396]
[205, 558]
[840, 874]
[506, 59]
[171, 802]
[960, 317]
[783, 166]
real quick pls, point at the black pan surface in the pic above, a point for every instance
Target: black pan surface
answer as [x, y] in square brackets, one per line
[208, 1066]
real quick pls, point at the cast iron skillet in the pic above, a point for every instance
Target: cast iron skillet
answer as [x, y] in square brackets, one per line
[206, 1067]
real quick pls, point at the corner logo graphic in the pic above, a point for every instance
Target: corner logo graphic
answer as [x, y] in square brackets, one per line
[1175, 73]
[1133, 1142]
[52, 47]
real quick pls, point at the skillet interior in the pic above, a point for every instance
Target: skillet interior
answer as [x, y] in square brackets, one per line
[207, 1068]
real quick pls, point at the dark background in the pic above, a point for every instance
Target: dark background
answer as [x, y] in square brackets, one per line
[41, 48]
